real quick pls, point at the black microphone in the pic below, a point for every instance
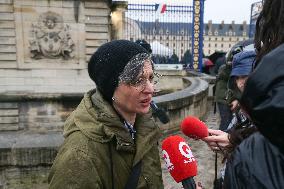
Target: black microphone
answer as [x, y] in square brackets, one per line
[159, 113]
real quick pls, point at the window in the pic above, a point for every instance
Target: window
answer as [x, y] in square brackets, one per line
[181, 51]
[209, 45]
[215, 44]
[167, 44]
[174, 45]
[222, 38]
[208, 51]
[229, 45]
[161, 38]
[182, 44]
[216, 39]
[174, 38]
[222, 45]
[209, 39]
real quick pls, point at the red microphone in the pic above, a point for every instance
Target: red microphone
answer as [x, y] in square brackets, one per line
[179, 160]
[194, 128]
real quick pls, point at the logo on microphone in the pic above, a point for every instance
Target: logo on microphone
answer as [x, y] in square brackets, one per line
[186, 152]
[166, 157]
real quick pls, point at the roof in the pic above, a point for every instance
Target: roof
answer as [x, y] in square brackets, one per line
[148, 28]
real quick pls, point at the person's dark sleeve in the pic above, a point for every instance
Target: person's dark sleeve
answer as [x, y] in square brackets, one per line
[236, 173]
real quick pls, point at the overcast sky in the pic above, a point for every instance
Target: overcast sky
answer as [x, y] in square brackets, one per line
[228, 10]
[216, 10]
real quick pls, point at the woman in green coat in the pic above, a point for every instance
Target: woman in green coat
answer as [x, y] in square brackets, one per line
[112, 132]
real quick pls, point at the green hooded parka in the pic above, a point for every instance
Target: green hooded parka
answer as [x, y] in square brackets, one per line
[99, 150]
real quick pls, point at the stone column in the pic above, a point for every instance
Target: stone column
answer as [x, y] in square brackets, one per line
[118, 19]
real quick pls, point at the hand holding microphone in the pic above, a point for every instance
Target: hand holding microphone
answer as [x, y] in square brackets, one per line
[217, 139]
[179, 161]
[196, 129]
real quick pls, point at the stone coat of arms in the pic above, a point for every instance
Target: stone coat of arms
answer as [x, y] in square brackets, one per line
[50, 38]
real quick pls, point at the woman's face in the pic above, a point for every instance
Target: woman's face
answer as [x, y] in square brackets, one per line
[240, 81]
[136, 98]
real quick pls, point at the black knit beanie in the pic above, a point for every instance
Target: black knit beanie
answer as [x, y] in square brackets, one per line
[108, 62]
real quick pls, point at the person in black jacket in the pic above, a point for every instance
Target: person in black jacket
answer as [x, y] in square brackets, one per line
[258, 162]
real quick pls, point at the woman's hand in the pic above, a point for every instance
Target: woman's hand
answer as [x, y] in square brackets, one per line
[234, 104]
[217, 139]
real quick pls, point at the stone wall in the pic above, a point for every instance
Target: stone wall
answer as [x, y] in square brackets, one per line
[171, 80]
[44, 49]
[31, 58]
[192, 100]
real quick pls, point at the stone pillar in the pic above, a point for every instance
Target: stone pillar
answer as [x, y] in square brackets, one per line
[118, 19]
[197, 34]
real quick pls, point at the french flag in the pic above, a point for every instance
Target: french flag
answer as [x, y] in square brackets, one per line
[161, 8]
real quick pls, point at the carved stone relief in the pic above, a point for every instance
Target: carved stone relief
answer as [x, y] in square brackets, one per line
[50, 38]
[48, 35]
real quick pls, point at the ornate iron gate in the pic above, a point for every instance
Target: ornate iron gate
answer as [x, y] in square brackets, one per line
[167, 28]
[169, 31]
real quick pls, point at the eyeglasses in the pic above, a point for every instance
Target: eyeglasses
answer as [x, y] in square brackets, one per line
[141, 83]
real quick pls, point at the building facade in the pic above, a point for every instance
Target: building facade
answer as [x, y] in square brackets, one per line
[221, 37]
[177, 36]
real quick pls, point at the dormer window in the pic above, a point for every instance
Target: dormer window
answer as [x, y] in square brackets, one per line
[216, 32]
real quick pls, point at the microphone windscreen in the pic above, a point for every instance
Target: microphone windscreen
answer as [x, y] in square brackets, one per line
[194, 128]
[178, 158]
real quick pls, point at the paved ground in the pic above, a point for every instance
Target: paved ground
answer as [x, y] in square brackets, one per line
[203, 154]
